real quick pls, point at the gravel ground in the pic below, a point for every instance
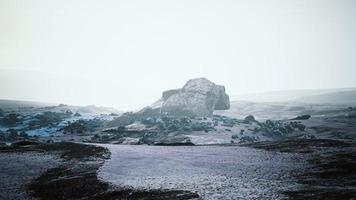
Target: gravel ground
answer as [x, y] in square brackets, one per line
[331, 173]
[213, 172]
[294, 169]
[65, 171]
[17, 169]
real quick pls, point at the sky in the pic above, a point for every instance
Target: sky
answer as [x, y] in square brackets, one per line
[124, 53]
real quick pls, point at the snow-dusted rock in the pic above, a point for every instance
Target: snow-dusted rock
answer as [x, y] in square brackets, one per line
[199, 97]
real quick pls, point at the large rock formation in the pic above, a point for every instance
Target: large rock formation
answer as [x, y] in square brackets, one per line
[198, 98]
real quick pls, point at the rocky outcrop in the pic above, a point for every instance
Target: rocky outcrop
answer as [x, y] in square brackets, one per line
[198, 98]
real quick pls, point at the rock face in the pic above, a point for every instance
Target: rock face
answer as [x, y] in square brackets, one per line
[198, 98]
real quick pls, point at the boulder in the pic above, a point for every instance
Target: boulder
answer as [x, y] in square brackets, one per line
[169, 93]
[198, 98]
[249, 118]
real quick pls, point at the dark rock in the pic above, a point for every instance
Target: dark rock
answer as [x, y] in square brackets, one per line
[228, 122]
[352, 115]
[174, 144]
[2, 136]
[23, 134]
[131, 117]
[25, 143]
[82, 126]
[69, 112]
[12, 134]
[249, 119]
[301, 127]
[123, 120]
[279, 129]
[150, 121]
[247, 139]
[48, 119]
[302, 117]
[174, 141]
[11, 119]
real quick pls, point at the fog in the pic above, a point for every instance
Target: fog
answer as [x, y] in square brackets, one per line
[125, 53]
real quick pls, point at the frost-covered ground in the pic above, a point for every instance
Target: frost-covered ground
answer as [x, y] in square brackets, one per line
[17, 170]
[214, 172]
[98, 125]
[48, 121]
[275, 110]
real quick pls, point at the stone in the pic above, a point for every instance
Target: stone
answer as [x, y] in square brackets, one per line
[302, 117]
[168, 93]
[11, 119]
[249, 119]
[198, 98]
[247, 139]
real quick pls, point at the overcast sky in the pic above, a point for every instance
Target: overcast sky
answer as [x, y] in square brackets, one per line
[124, 53]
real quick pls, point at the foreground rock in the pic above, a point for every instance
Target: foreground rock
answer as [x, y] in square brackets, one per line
[199, 98]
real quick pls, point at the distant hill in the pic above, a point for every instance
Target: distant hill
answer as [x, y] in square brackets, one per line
[340, 97]
[6, 104]
[97, 109]
[322, 96]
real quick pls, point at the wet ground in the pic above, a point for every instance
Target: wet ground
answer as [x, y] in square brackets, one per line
[32, 170]
[331, 173]
[293, 169]
[213, 172]
[65, 171]
[17, 170]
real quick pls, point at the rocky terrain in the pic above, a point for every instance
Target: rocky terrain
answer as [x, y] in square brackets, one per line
[211, 120]
[190, 148]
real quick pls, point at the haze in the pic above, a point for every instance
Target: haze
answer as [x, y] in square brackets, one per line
[125, 53]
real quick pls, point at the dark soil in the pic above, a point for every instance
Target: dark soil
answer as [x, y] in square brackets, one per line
[331, 174]
[300, 145]
[77, 178]
[175, 144]
[148, 195]
[332, 171]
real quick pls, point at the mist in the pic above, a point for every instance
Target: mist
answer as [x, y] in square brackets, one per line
[125, 53]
